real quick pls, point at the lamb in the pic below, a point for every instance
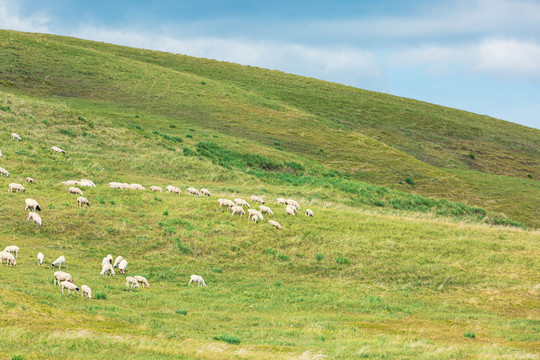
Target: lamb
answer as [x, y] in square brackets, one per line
[85, 289]
[13, 249]
[81, 201]
[115, 185]
[238, 210]
[265, 210]
[16, 187]
[253, 212]
[142, 280]
[137, 187]
[106, 267]
[34, 217]
[60, 276]
[74, 190]
[40, 258]
[292, 203]
[60, 261]
[10, 259]
[71, 182]
[132, 282]
[281, 201]
[117, 261]
[15, 136]
[57, 149]
[69, 286]
[309, 212]
[156, 188]
[257, 199]
[4, 172]
[255, 218]
[32, 204]
[193, 191]
[241, 202]
[291, 210]
[122, 266]
[29, 179]
[87, 182]
[198, 279]
[173, 189]
[205, 192]
[225, 202]
[275, 224]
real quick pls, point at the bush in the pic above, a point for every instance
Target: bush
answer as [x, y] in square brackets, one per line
[471, 155]
[294, 165]
[188, 152]
[507, 222]
[172, 126]
[409, 181]
[228, 339]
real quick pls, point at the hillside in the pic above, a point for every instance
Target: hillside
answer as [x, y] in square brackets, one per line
[383, 270]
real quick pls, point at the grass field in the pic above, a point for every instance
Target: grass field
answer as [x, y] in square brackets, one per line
[402, 259]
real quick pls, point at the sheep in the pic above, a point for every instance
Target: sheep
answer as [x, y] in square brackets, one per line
[15, 137]
[107, 268]
[40, 258]
[241, 202]
[85, 289]
[253, 212]
[4, 172]
[32, 204]
[292, 203]
[14, 249]
[291, 210]
[60, 276]
[10, 259]
[109, 257]
[34, 217]
[29, 179]
[142, 280]
[60, 261]
[281, 201]
[275, 224]
[265, 210]
[69, 286]
[16, 187]
[137, 187]
[132, 282]
[105, 261]
[126, 186]
[117, 261]
[71, 182]
[257, 199]
[122, 266]
[1, 153]
[87, 182]
[193, 191]
[255, 218]
[57, 149]
[198, 279]
[115, 185]
[74, 190]
[156, 188]
[173, 189]
[81, 201]
[225, 202]
[238, 210]
[205, 192]
[309, 212]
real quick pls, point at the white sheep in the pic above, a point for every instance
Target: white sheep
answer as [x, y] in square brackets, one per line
[115, 185]
[226, 202]
[156, 188]
[1, 153]
[257, 199]
[309, 212]
[253, 212]
[10, 259]
[241, 202]
[15, 137]
[60, 261]
[173, 189]
[291, 210]
[238, 210]
[69, 286]
[142, 280]
[198, 279]
[85, 289]
[292, 203]
[281, 201]
[16, 187]
[31, 204]
[34, 217]
[105, 260]
[106, 267]
[57, 149]
[71, 183]
[81, 201]
[30, 180]
[126, 186]
[255, 218]
[117, 261]
[205, 192]
[122, 266]
[87, 182]
[109, 257]
[74, 190]
[137, 187]
[265, 210]
[4, 172]
[13, 249]
[40, 258]
[275, 224]
[132, 282]
[60, 276]
[193, 191]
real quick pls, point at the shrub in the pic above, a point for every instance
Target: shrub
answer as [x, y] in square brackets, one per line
[188, 152]
[409, 181]
[278, 148]
[471, 155]
[277, 284]
[294, 165]
[215, 136]
[157, 199]
[228, 339]
[277, 143]
[529, 176]
[232, 159]
[507, 222]
[189, 136]
[6, 108]
[112, 202]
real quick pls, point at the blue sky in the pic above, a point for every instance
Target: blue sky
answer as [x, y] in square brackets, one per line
[478, 55]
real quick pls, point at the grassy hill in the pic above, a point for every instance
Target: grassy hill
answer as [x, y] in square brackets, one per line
[384, 270]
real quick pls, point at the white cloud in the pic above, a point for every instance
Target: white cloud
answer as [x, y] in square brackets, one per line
[12, 20]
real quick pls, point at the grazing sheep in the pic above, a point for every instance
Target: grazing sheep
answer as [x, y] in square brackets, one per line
[126, 186]
[291, 210]
[57, 149]
[34, 217]
[4, 172]
[193, 191]
[104, 261]
[265, 210]
[225, 202]
[29, 179]
[1, 153]
[275, 224]
[253, 212]
[205, 192]
[60, 276]
[255, 218]
[10, 259]
[257, 199]
[122, 266]
[40, 258]
[142, 280]
[15, 136]
[115, 185]
[238, 210]
[16, 187]
[85, 289]
[173, 189]
[32, 204]
[117, 261]
[241, 202]
[74, 190]
[60, 261]
[292, 203]
[71, 182]
[132, 282]
[109, 257]
[156, 188]
[309, 212]
[81, 201]
[87, 182]
[281, 201]
[106, 267]
[137, 187]
[198, 279]
[69, 286]
[13, 249]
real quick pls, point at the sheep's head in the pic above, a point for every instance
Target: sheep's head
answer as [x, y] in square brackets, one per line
[14, 262]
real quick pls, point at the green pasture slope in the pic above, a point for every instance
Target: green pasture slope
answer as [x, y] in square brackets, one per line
[403, 259]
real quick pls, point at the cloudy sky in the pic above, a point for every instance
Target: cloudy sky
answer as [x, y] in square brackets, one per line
[477, 55]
